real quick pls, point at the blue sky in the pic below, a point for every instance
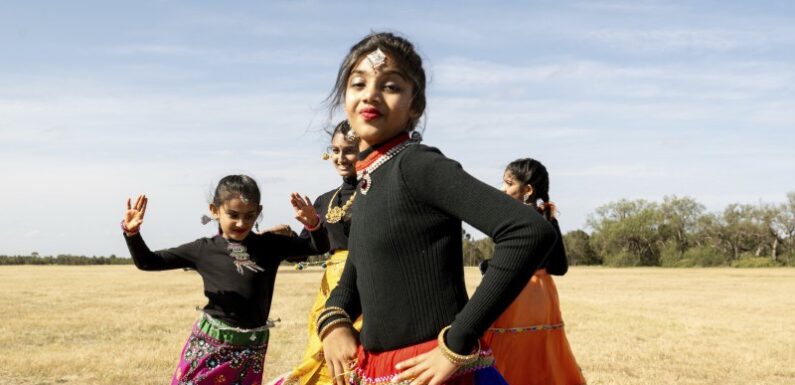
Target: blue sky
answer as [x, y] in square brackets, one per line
[620, 99]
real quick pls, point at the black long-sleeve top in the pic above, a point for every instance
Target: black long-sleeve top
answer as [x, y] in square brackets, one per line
[405, 271]
[556, 262]
[239, 300]
[337, 232]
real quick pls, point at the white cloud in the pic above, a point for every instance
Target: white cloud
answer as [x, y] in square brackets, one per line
[600, 78]
[157, 49]
[676, 39]
[634, 6]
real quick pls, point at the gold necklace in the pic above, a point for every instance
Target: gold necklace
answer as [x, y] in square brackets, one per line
[335, 214]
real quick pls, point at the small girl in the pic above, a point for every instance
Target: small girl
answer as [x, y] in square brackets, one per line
[528, 340]
[404, 274]
[238, 267]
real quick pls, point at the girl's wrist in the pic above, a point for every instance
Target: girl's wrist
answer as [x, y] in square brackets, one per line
[127, 231]
[316, 226]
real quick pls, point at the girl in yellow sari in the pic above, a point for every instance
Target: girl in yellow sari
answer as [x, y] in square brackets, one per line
[334, 207]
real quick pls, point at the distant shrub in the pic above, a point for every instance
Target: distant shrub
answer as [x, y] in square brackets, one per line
[704, 256]
[622, 259]
[755, 262]
[670, 256]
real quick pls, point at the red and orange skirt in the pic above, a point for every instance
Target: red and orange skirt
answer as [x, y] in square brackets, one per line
[379, 368]
[528, 340]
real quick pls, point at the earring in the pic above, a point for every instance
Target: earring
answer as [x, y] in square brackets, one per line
[526, 199]
[206, 219]
[325, 156]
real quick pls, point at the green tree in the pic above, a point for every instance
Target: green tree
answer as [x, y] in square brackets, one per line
[626, 233]
[579, 250]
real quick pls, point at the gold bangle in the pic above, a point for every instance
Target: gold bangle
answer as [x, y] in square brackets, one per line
[322, 333]
[328, 314]
[327, 308]
[335, 310]
[453, 357]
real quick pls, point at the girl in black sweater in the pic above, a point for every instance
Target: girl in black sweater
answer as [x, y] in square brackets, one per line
[238, 267]
[405, 273]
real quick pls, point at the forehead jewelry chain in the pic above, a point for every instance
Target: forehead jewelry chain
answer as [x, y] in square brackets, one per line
[377, 59]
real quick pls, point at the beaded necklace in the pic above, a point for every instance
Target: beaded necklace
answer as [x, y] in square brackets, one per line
[377, 158]
[239, 253]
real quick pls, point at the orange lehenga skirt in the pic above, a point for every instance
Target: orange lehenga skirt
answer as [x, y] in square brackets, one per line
[528, 340]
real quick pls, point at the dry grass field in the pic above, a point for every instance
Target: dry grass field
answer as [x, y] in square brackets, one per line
[116, 325]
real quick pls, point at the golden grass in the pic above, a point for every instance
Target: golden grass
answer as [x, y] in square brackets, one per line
[116, 325]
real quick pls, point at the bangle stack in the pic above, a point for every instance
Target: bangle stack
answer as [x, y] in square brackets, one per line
[330, 313]
[453, 357]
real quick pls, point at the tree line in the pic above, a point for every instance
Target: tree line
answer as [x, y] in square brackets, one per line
[677, 232]
[62, 259]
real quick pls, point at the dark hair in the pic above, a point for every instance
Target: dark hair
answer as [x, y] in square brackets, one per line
[241, 186]
[342, 127]
[532, 172]
[399, 49]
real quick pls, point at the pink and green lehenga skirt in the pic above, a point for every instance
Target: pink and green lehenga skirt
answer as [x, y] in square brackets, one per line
[219, 354]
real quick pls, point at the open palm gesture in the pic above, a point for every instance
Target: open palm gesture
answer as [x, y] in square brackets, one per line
[134, 216]
[304, 211]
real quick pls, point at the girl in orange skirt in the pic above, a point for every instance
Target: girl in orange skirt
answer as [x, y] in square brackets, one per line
[528, 340]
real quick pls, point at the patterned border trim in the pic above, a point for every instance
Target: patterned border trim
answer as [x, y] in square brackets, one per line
[357, 377]
[534, 328]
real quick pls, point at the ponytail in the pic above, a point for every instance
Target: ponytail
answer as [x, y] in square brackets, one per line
[531, 172]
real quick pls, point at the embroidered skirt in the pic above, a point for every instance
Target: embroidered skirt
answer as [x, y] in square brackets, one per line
[218, 354]
[528, 340]
[312, 368]
[379, 368]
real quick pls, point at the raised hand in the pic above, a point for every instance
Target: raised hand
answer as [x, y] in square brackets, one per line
[134, 216]
[304, 211]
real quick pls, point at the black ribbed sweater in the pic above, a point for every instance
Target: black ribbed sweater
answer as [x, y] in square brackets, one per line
[241, 300]
[405, 272]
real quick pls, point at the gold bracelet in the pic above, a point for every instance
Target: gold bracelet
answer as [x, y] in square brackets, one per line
[327, 314]
[322, 333]
[453, 357]
[332, 308]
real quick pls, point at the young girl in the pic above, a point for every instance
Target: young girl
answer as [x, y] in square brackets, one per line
[238, 267]
[404, 273]
[528, 341]
[335, 207]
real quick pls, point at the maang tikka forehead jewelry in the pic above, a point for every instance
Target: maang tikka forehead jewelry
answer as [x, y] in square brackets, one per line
[377, 59]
